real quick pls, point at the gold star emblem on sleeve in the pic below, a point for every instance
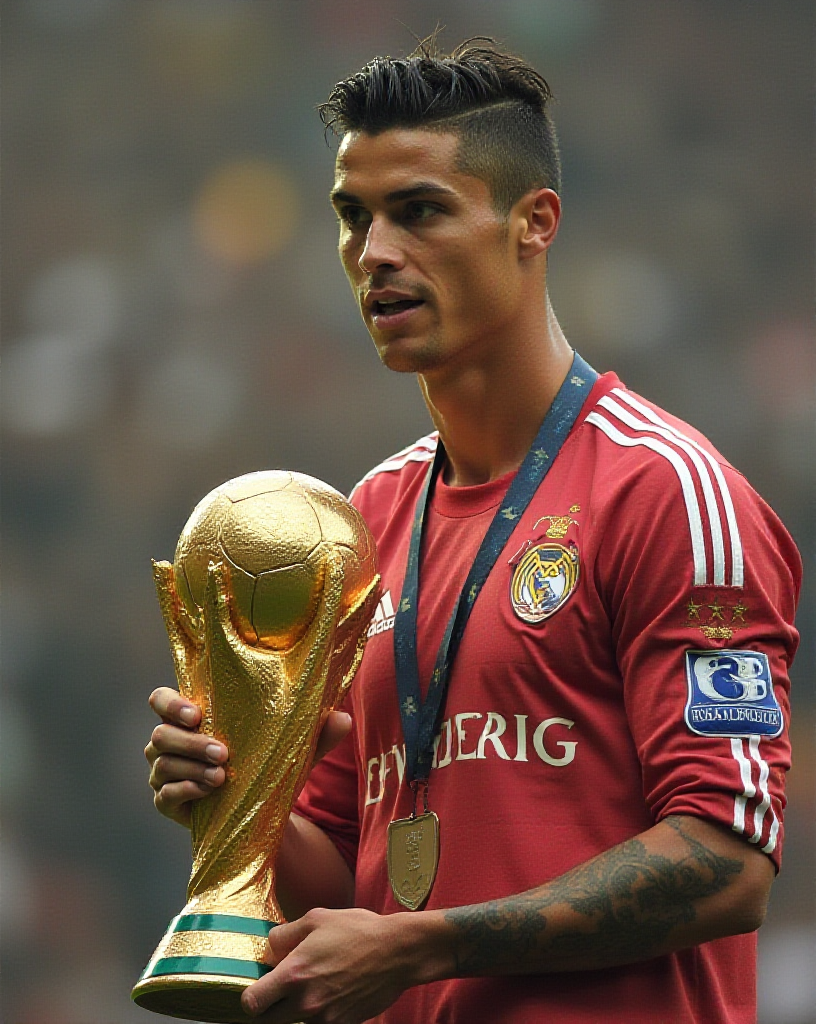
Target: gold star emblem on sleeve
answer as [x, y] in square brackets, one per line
[738, 611]
[716, 610]
[693, 609]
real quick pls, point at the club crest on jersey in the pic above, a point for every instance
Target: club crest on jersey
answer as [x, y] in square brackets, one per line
[545, 575]
[730, 693]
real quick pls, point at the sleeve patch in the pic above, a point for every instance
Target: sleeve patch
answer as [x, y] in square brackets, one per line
[730, 693]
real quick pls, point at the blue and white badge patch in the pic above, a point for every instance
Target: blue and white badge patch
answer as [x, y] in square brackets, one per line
[731, 694]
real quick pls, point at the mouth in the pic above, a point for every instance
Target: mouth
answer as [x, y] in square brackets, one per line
[393, 312]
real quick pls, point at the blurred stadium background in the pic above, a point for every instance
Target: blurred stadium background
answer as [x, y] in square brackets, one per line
[174, 315]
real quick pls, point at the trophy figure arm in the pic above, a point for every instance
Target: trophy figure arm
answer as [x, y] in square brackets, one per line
[350, 640]
[186, 647]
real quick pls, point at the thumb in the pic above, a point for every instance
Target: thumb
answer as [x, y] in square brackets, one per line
[335, 729]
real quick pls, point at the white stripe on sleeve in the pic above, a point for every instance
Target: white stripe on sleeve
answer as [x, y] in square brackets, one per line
[748, 787]
[686, 483]
[705, 479]
[737, 564]
[765, 805]
[422, 451]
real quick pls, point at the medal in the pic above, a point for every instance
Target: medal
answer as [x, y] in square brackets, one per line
[413, 843]
[413, 857]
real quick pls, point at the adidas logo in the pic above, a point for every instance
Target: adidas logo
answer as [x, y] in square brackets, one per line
[383, 616]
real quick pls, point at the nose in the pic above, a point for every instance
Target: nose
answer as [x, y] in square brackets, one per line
[381, 249]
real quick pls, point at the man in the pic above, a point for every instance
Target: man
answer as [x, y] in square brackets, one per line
[607, 760]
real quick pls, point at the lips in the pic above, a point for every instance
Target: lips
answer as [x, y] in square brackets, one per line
[393, 306]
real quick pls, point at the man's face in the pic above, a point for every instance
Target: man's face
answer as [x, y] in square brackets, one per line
[431, 262]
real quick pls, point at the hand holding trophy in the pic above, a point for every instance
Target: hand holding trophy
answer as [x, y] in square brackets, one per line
[266, 605]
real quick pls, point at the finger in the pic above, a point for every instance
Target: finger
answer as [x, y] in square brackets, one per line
[284, 938]
[335, 729]
[173, 708]
[175, 800]
[197, 746]
[272, 988]
[169, 768]
[287, 1010]
[272, 994]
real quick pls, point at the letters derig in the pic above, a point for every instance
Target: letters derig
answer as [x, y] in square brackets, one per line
[476, 736]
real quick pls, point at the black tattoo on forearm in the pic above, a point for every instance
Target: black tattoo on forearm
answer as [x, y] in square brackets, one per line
[631, 899]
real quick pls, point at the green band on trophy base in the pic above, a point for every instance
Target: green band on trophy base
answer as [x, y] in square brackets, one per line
[222, 923]
[203, 964]
[209, 965]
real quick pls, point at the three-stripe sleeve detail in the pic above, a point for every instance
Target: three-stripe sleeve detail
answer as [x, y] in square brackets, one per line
[686, 483]
[754, 773]
[737, 564]
[694, 467]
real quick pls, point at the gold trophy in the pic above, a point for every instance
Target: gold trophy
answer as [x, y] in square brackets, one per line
[267, 603]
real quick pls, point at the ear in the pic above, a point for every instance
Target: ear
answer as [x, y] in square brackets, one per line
[537, 214]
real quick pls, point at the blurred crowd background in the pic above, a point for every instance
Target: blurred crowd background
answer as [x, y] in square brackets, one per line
[174, 315]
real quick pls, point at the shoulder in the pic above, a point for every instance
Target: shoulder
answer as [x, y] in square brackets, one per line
[656, 466]
[383, 486]
[634, 425]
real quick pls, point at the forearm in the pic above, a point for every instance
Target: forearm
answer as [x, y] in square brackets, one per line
[310, 872]
[681, 883]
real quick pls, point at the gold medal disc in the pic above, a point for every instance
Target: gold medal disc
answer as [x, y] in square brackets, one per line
[413, 857]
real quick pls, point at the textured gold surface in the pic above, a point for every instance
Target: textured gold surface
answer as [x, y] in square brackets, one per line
[232, 944]
[266, 703]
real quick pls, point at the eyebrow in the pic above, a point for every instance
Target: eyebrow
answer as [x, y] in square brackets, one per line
[422, 188]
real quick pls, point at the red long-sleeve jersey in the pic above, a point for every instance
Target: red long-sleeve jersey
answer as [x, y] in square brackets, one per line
[626, 660]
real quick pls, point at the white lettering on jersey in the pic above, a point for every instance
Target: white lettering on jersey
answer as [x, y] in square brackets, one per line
[441, 762]
[461, 736]
[567, 747]
[521, 738]
[461, 739]
[494, 728]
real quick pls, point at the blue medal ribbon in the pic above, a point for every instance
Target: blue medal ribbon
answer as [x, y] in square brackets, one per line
[421, 719]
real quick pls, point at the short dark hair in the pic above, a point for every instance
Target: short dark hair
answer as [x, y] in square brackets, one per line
[495, 101]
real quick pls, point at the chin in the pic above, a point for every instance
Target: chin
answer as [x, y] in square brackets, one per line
[408, 355]
[404, 360]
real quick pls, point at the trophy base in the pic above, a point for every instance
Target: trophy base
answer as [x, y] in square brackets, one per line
[200, 997]
[202, 965]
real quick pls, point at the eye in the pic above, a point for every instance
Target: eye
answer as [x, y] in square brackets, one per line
[419, 211]
[353, 216]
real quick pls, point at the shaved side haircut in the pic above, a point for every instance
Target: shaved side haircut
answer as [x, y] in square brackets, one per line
[494, 101]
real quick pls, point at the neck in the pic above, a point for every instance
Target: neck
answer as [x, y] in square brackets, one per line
[489, 412]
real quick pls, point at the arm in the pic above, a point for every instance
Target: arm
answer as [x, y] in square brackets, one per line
[186, 765]
[310, 872]
[681, 883]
